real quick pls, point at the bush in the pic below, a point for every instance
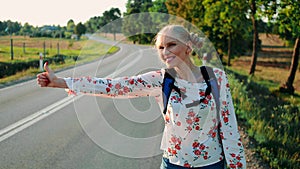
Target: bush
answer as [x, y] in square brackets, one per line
[8, 69]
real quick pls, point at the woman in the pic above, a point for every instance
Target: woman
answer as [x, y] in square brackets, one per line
[193, 136]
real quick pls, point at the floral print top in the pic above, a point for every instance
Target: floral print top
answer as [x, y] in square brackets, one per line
[191, 136]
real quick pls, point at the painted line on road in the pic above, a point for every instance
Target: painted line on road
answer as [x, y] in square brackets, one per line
[35, 117]
[30, 120]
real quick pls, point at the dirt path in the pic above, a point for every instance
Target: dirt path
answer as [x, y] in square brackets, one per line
[252, 157]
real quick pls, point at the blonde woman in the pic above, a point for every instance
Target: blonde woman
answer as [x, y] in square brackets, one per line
[198, 133]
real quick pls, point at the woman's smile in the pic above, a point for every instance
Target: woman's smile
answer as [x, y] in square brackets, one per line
[170, 59]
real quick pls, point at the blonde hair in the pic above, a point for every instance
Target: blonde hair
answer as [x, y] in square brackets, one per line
[182, 34]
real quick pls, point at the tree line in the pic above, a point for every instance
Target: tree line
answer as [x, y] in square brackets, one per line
[226, 23]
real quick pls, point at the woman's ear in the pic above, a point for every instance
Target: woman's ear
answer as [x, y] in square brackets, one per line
[189, 48]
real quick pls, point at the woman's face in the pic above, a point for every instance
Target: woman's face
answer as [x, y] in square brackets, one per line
[171, 51]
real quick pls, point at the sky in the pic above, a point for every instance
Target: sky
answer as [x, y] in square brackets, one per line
[55, 12]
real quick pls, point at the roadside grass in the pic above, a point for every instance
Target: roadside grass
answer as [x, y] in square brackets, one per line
[272, 118]
[35, 46]
[73, 52]
[269, 119]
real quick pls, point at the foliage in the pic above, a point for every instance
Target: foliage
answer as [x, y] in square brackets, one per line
[138, 28]
[272, 122]
[79, 29]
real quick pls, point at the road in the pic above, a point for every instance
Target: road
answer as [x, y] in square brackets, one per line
[45, 128]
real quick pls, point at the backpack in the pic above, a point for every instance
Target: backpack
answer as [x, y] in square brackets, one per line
[210, 80]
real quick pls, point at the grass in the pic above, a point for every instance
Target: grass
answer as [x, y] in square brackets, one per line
[273, 122]
[85, 50]
[272, 118]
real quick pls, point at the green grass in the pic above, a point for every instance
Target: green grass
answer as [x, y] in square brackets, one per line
[272, 120]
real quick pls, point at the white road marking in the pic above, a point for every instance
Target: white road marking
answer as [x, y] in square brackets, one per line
[35, 117]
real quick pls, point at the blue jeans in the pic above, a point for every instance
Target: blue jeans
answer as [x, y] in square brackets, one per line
[165, 164]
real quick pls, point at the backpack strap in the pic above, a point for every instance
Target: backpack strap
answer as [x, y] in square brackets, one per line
[212, 84]
[209, 77]
[167, 86]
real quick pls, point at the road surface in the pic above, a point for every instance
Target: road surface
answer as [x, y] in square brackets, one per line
[45, 128]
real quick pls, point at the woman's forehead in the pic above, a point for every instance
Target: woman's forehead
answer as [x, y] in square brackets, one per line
[165, 39]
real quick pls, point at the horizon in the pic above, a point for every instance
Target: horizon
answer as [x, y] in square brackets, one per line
[34, 12]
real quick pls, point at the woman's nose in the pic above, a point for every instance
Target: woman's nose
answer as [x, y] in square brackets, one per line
[165, 51]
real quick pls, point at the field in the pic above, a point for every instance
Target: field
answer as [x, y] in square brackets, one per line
[272, 64]
[270, 119]
[27, 49]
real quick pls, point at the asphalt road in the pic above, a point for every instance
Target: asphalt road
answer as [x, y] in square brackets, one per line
[44, 128]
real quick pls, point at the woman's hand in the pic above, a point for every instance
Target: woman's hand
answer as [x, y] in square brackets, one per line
[49, 79]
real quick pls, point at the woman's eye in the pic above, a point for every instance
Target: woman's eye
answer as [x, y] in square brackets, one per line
[161, 47]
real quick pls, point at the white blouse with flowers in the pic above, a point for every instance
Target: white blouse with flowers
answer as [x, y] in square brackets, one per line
[191, 137]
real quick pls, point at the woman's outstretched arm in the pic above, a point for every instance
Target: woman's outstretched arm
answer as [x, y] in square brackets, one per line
[148, 84]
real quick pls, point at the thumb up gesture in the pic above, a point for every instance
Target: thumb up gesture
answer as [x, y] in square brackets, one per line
[49, 79]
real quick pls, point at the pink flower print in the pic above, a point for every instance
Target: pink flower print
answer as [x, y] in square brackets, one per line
[120, 92]
[214, 134]
[202, 93]
[177, 146]
[189, 128]
[89, 79]
[202, 147]
[189, 121]
[232, 155]
[131, 81]
[232, 166]
[226, 119]
[197, 152]
[140, 80]
[205, 101]
[118, 86]
[195, 144]
[220, 79]
[186, 164]
[208, 97]
[126, 89]
[167, 118]
[174, 139]
[191, 113]
[239, 164]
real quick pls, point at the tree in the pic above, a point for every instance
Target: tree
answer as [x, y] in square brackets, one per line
[289, 28]
[26, 29]
[137, 26]
[108, 18]
[192, 11]
[228, 21]
[255, 36]
[79, 29]
[70, 28]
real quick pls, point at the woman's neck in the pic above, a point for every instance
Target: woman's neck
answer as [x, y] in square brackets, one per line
[189, 72]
